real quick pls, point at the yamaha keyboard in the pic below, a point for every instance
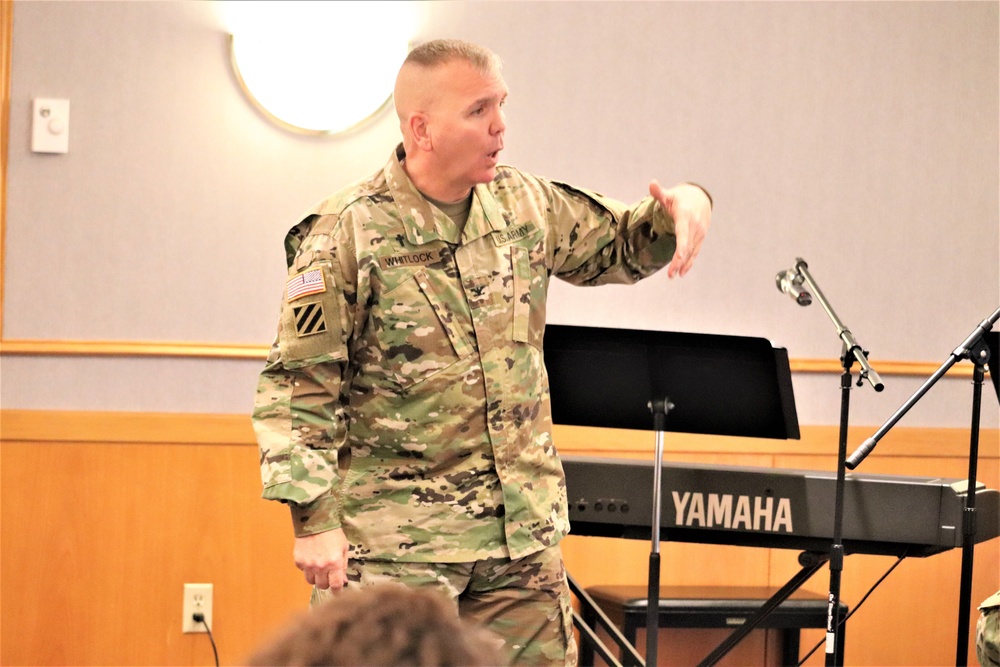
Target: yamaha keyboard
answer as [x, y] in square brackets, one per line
[779, 508]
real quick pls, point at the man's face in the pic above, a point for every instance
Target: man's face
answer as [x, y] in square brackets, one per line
[466, 125]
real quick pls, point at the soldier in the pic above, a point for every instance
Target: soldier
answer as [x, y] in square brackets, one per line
[403, 413]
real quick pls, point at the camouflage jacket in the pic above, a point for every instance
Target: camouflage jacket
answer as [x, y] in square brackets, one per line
[405, 398]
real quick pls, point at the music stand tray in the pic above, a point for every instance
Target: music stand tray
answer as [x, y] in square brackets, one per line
[708, 383]
[719, 385]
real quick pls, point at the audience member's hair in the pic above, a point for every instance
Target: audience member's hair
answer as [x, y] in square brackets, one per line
[383, 625]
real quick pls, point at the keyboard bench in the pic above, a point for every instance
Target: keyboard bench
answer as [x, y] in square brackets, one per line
[711, 607]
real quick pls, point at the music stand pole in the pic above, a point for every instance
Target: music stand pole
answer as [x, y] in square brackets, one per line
[851, 352]
[659, 407]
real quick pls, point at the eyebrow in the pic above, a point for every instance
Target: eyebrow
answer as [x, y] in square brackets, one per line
[489, 98]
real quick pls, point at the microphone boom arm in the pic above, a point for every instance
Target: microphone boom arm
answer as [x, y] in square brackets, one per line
[963, 351]
[851, 345]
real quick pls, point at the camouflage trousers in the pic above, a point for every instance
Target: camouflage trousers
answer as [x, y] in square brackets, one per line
[526, 602]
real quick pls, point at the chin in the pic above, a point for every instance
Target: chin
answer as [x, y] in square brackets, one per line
[482, 175]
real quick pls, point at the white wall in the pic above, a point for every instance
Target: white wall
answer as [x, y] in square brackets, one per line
[862, 137]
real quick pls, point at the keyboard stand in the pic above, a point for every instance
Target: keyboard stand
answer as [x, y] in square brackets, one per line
[592, 616]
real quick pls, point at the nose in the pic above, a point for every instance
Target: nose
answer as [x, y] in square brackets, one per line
[499, 123]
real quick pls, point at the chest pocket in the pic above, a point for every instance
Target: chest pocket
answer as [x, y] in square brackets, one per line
[419, 332]
[530, 285]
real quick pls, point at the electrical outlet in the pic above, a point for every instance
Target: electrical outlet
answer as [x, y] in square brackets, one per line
[197, 599]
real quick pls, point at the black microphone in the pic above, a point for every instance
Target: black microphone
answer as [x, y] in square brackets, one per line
[790, 282]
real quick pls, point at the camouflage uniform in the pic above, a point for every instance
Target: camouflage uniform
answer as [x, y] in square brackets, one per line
[988, 632]
[405, 398]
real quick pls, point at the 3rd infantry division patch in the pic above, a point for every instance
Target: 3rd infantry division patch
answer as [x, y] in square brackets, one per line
[309, 319]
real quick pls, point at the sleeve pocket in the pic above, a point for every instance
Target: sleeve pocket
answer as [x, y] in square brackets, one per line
[313, 321]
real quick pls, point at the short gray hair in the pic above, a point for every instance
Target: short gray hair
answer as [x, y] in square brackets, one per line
[439, 51]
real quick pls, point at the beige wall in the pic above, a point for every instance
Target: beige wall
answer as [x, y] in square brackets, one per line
[859, 136]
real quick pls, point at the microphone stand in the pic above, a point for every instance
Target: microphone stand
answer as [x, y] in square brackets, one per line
[974, 349]
[851, 352]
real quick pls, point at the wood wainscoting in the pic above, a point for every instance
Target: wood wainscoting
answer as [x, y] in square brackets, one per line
[105, 516]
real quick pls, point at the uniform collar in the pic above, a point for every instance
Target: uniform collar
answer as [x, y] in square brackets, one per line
[424, 223]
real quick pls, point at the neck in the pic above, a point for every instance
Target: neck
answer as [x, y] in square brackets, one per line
[431, 184]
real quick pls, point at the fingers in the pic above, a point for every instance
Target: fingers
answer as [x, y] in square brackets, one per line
[683, 253]
[690, 233]
[680, 257]
[679, 266]
[691, 212]
[333, 579]
[323, 559]
[657, 191]
[318, 578]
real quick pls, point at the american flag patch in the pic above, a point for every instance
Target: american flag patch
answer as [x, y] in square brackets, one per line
[305, 283]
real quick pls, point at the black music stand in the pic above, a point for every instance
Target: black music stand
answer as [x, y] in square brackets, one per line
[992, 339]
[710, 384]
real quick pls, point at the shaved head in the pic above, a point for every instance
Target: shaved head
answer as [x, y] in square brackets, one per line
[449, 97]
[439, 51]
[418, 81]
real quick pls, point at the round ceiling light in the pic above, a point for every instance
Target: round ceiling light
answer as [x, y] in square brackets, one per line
[319, 67]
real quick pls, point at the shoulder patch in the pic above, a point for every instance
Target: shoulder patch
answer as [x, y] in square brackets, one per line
[309, 319]
[305, 283]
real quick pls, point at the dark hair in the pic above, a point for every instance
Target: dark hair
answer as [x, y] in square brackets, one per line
[383, 625]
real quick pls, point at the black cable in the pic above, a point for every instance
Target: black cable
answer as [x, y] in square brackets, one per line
[198, 617]
[865, 597]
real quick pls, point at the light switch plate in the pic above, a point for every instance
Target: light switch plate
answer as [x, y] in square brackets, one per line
[49, 125]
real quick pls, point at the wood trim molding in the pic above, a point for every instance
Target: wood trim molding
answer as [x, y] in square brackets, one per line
[80, 427]
[70, 426]
[912, 368]
[96, 348]
[89, 348]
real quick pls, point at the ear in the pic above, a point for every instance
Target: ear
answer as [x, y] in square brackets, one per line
[419, 126]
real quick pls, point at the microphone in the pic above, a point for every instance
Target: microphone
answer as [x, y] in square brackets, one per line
[790, 282]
